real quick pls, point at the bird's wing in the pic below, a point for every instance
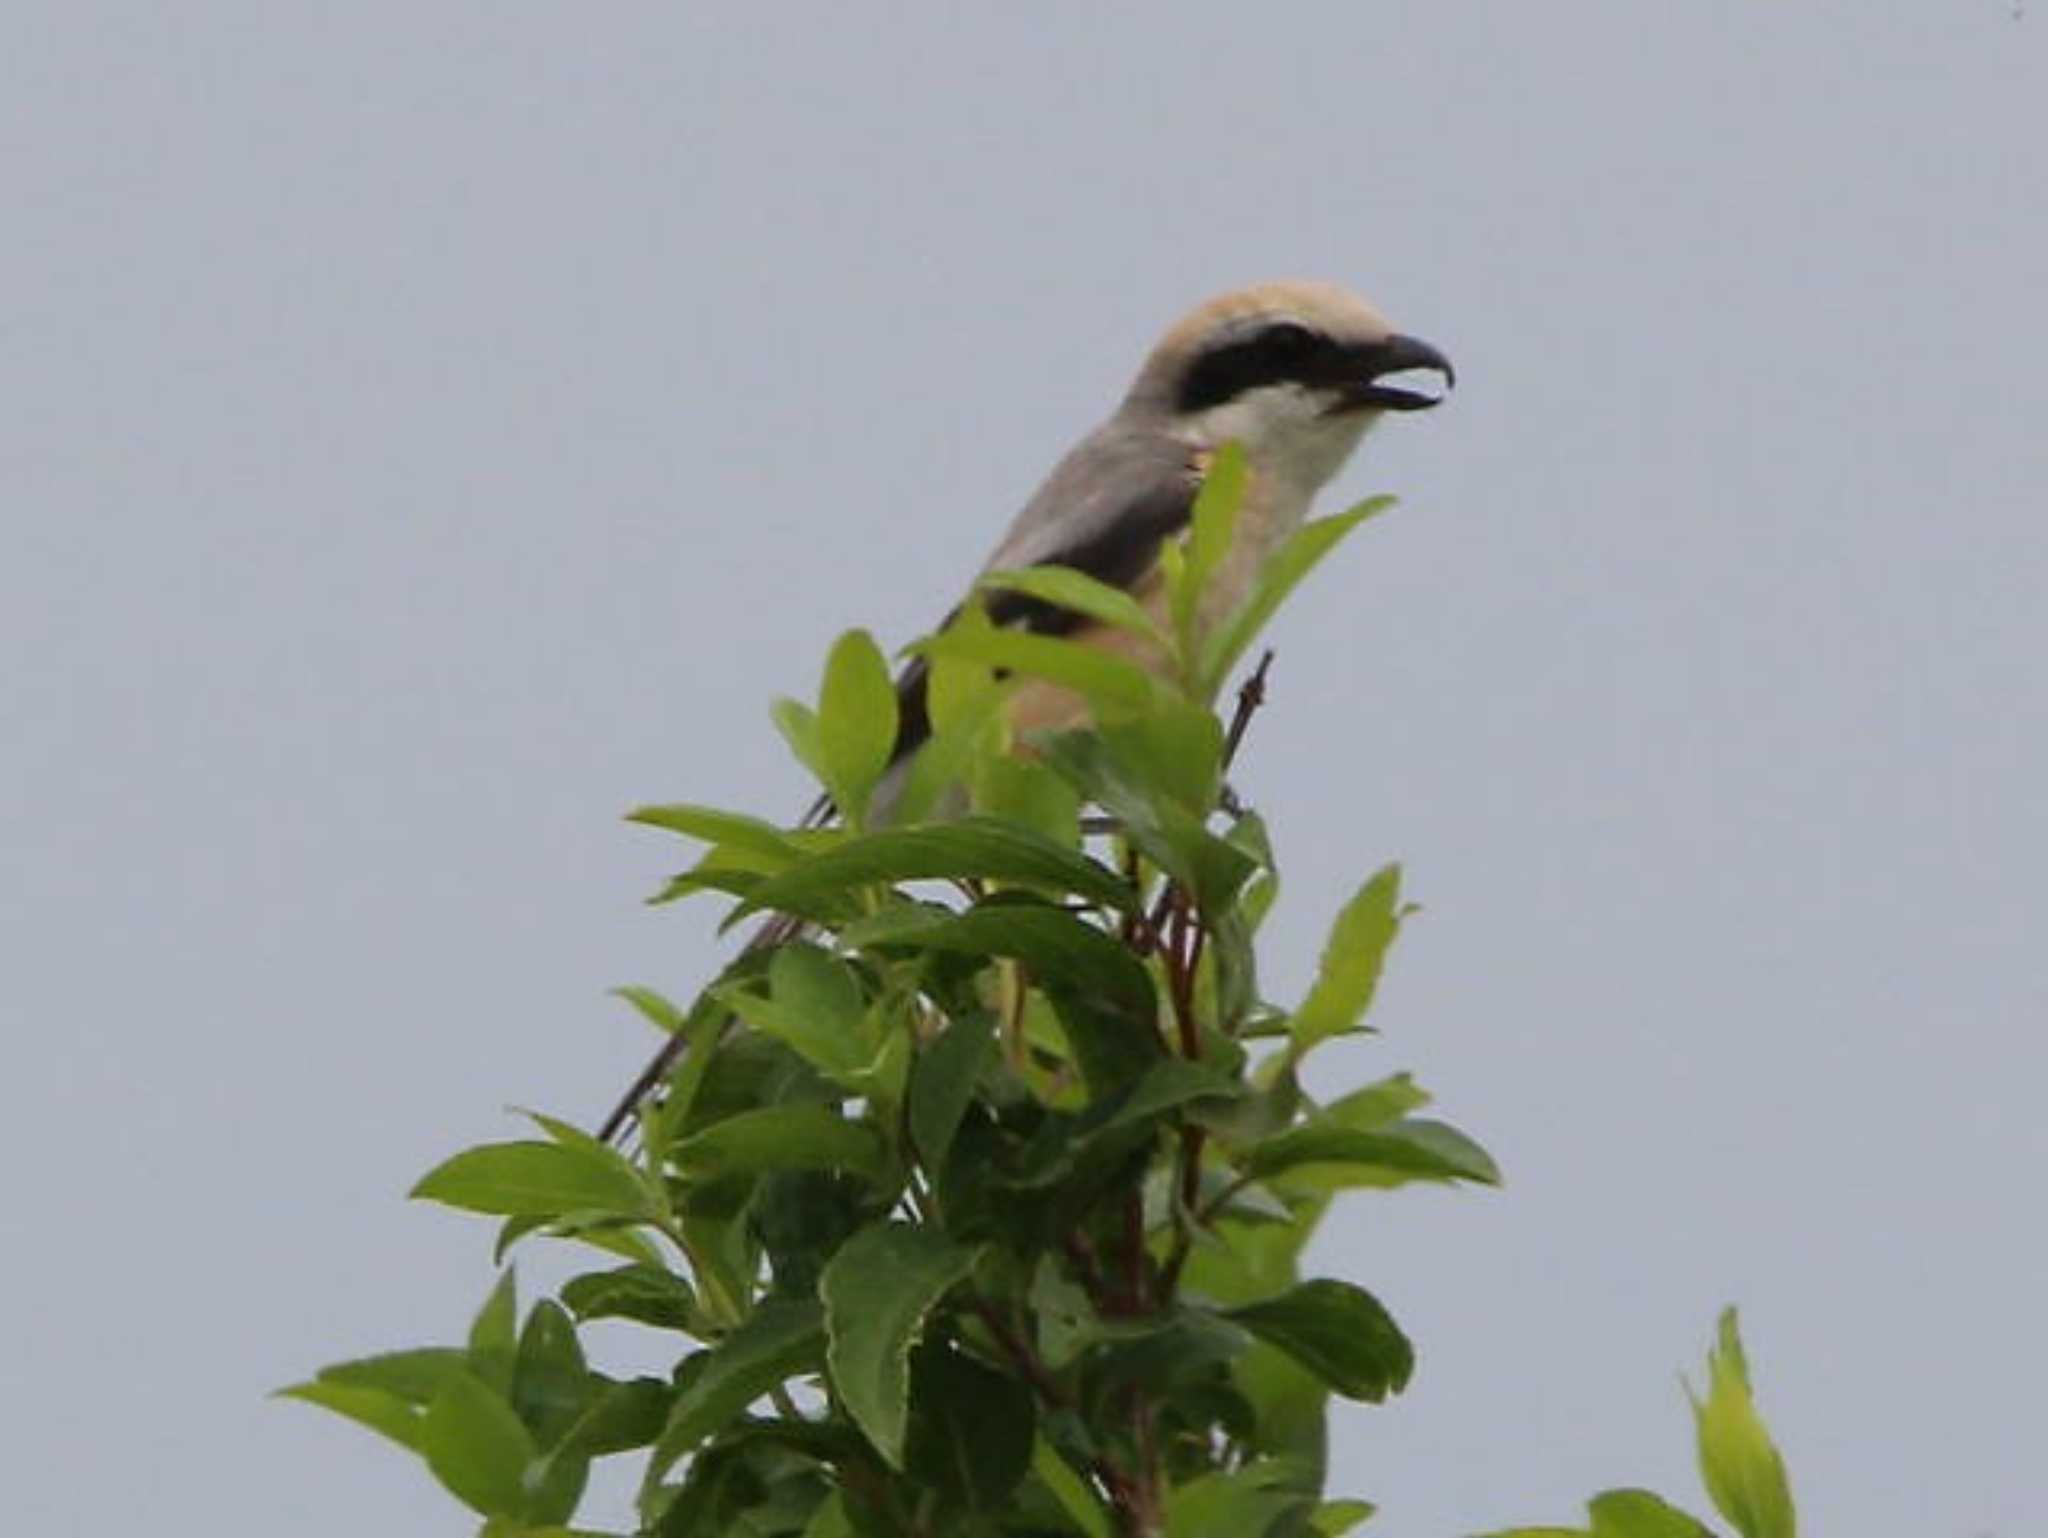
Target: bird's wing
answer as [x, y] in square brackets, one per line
[1104, 511]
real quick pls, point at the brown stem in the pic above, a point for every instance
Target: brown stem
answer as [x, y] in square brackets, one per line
[1080, 1253]
[1251, 694]
[1145, 1509]
[1134, 1251]
[1018, 1349]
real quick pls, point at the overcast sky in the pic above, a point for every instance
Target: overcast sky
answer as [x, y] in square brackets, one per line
[430, 430]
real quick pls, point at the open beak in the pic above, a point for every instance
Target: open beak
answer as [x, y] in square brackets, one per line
[1393, 356]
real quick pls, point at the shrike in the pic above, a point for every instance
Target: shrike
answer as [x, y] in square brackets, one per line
[1293, 372]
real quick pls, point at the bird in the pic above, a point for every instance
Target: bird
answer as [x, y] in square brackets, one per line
[1294, 372]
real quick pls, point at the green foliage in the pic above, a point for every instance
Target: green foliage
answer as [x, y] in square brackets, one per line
[1743, 1472]
[1739, 1465]
[975, 1202]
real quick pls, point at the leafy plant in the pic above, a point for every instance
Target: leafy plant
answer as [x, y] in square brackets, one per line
[975, 1203]
[1739, 1464]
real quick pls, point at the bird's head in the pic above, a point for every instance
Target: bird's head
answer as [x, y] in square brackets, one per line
[1294, 371]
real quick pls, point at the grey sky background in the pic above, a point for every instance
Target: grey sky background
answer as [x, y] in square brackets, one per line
[431, 430]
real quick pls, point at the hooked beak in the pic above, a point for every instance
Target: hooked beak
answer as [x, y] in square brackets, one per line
[1394, 355]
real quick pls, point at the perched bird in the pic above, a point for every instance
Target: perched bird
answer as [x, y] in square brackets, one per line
[1294, 372]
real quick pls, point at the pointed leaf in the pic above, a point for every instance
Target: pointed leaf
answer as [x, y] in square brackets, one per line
[970, 1430]
[1212, 529]
[624, 1416]
[1333, 1519]
[415, 1376]
[942, 1084]
[878, 1291]
[1739, 1462]
[716, 827]
[815, 1006]
[1337, 1331]
[972, 848]
[1075, 591]
[380, 1410]
[1111, 685]
[1282, 573]
[494, 1335]
[799, 728]
[541, 1179]
[782, 1137]
[1334, 1157]
[1352, 958]
[477, 1447]
[645, 1294]
[1229, 1504]
[856, 726]
[781, 1338]
[1639, 1514]
[1169, 1085]
[1075, 1497]
[653, 1007]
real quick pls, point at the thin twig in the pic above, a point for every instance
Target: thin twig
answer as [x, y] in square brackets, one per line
[1134, 1251]
[1036, 1373]
[1251, 694]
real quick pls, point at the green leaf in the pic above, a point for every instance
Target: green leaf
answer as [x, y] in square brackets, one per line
[1739, 1463]
[970, 1428]
[799, 728]
[654, 1008]
[781, 1338]
[1153, 818]
[415, 1376]
[715, 827]
[477, 1447]
[1166, 1351]
[704, 1033]
[966, 731]
[815, 1005]
[1021, 790]
[1282, 572]
[573, 1137]
[1078, 593]
[856, 727]
[1336, 1157]
[1333, 1519]
[782, 1137]
[1170, 1084]
[942, 1083]
[972, 848]
[1229, 1504]
[1352, 958]
[382, 1411]
[1339, 1332]
[1177, 749]
[877, 1291]
[1212, 528]
[1639, 1514]
[1102, 993]
[551, 1383]
[645, 1294]
[1070, 1490]
[829, 1520]
[538, 1179]
[1378, 1103]
[1113, 686]
[622, 1417]
[494, 1334]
